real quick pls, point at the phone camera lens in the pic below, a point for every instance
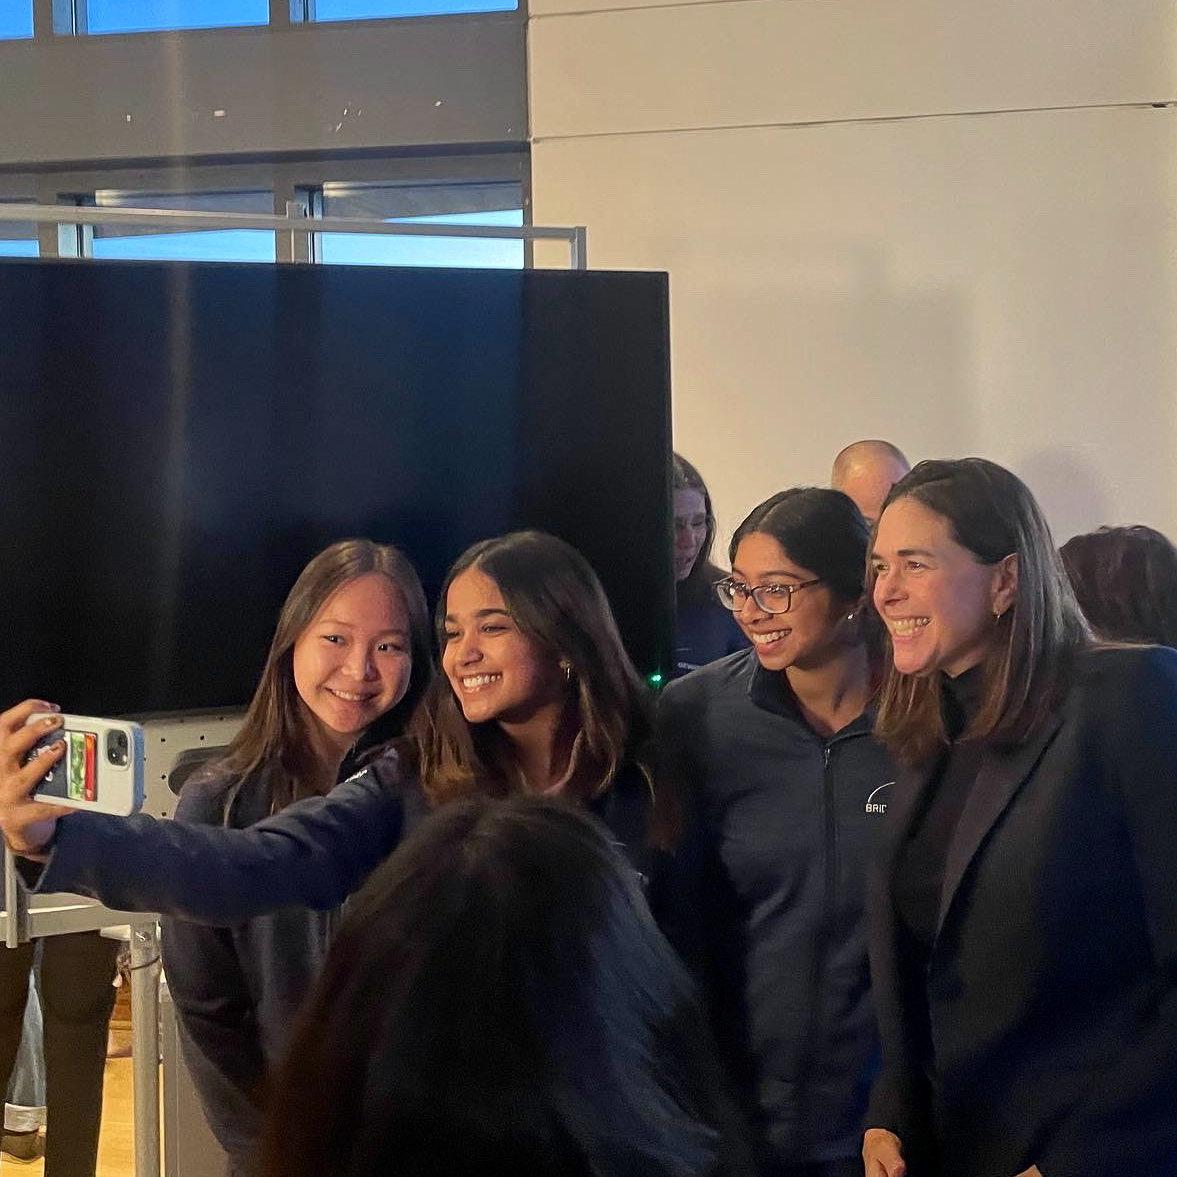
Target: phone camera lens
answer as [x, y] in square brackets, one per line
[116, 748]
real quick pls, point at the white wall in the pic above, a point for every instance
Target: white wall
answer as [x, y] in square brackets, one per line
[946, 224]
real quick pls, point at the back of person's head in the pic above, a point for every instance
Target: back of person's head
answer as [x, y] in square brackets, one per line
[556, 599]
[866, 471]
[1125, 579]
[275, 733]
[822, 530]
[497, 1001]
[991, 513]
[686, 481]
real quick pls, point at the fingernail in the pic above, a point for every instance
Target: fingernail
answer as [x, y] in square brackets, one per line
[45, 705]
[51, 721]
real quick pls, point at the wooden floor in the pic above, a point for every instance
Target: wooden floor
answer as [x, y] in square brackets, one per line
[116, 1145]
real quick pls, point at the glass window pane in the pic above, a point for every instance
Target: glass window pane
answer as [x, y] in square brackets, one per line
[150, 243]
[18, 238]
[327, 10]
[16, 19]
[366, 249]
[144, 16]
[490, 203]
[212, 245]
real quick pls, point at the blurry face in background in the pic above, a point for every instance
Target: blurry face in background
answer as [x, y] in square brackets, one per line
[496, 671]
[690, 530]
[352, 663]
[805, 636]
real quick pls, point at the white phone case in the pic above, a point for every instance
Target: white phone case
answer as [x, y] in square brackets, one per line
[101, 769]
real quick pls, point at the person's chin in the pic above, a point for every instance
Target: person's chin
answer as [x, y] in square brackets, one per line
[912, 664]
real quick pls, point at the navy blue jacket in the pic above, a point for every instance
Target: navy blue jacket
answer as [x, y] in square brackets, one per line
[237, 989]
[704, 631]
[765, 899]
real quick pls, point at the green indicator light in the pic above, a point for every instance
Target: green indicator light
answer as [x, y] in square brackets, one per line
[655, 680]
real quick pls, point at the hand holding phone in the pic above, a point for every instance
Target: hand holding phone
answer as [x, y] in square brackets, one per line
[99, 768]
[28, 825]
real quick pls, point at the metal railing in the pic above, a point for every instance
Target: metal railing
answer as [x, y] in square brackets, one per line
[297, 224]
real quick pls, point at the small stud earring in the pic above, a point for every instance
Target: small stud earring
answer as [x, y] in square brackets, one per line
[849, 616]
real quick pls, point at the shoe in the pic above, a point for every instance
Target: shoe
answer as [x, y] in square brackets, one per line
[23, 1147]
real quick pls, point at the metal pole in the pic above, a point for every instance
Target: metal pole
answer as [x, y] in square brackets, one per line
[578, 248]
[16, 904]
[145, 1045]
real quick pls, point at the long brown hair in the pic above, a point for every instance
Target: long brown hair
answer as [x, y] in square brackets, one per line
[274, 737]
[555, 598]
[992, 513]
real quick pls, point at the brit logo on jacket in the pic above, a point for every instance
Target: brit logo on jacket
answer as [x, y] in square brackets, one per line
[877, 801]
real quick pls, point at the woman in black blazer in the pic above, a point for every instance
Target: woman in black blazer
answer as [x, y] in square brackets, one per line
[1024, 906]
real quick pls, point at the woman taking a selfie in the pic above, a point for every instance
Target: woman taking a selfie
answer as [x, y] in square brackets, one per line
[1024, 909]
[538, 695]
[349, 660]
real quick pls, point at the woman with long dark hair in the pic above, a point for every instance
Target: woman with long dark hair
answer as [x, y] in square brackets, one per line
[1024, 909]
[349, 660]
[538, 695]
[498, 1001]
[704, 630]
[783, 789]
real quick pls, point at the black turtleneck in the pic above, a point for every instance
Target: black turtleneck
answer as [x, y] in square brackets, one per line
[919, 873]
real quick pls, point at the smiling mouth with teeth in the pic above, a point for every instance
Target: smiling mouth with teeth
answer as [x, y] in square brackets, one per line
[475, 682]
[904, 627]
[763, 639]
[350, 696]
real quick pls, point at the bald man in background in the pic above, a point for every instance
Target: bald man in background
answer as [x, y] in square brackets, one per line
[866, 471]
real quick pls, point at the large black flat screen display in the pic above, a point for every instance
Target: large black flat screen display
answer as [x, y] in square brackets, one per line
[180, 438]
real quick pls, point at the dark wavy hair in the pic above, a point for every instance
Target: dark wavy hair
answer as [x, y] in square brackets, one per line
[556, 599]
[992, 514]
[498, 1001]
[1125, 579]
[274, 737]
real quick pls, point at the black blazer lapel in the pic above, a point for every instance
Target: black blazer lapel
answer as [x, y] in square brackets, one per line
[1002, 774]
[905, 804]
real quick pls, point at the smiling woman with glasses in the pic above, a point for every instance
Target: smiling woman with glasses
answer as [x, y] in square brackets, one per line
[783, 789]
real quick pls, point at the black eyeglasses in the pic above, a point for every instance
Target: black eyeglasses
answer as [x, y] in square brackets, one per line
[772, 598]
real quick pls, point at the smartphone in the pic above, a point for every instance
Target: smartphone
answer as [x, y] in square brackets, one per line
[101, 768]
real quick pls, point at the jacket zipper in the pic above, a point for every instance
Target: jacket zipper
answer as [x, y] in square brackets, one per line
[807, 1119]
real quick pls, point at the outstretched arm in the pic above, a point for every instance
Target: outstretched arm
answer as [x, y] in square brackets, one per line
[312, 854]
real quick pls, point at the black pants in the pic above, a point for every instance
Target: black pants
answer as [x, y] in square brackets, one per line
[76, 1000]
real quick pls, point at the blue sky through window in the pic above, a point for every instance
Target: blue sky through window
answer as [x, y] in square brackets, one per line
[212, 245]
[16, 18]
[141, 16]
[366, 249]
[18, 248]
